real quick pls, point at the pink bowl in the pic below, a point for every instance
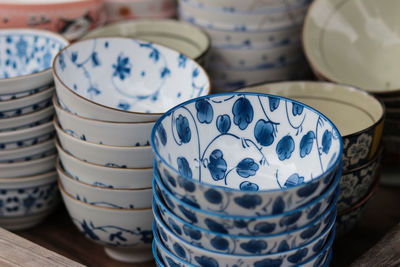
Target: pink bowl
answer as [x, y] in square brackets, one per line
[71, 18]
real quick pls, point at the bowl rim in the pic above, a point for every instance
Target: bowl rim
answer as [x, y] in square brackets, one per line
[36, 113]
[28, 162]
[44, 91]
[36, 32]
[377, 157]
[26, 130]
[329, 170]
[28, 178]
[63, 86]
[39, 144]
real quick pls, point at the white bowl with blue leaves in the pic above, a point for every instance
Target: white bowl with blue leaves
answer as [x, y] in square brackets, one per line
[27, 201]
[125, 80]
[126, 234]
[244, 153]
[29, 120]
[27, 56]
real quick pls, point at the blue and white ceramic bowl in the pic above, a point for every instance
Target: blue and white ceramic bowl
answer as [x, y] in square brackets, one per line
[218, 151]
[105, 155]
[126, 233]
[189, 211]
[26, 201]
[26, 136]
[111, 177]
[27, 55]
[28, 153]
[125, 80]
[29, 120]
[26, 104]
[30, 167]
[103, 196]
[171, 260]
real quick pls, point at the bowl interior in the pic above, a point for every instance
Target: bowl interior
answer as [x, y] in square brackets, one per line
[130, 75]
[355, 42]
[27, 51]
[247, 141]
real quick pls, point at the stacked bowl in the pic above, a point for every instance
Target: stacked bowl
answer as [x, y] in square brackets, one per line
[252, 41]
[109, 93]
[360, 118]
[244, 179]
[118, 10]
[28, 188]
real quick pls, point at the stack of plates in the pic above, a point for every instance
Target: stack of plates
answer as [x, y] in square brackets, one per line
[252, 41]
[27, 153]
[245, 179]
[110, 91]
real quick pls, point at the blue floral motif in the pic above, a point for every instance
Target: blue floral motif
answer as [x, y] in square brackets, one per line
[122, 68]
[180, 252]
[47, 59]
[165, 72]
[215, 227]
[310, 231]
[290, 219]
[162, 134]
[243, 113]
[283, 246]
[194, 234]
[205, 261]
[74, 56]
[170, 179]
[175, 227]
[248, 201]
[307, 190]
[217, 165]
[248, 186]
[205, 112]
[182, 61]
[326, 141]
[184, 167]
[285, 147]
[264, 132]
[240, 224]
[95, 59]
[294, 180]
[213, 196]
[268, 263]
[273, 103]
[264, 227]
[278, 206]
[163, 234]
[254, 246]
[88, 230]
[311, 214]
[223, 123]
[186, 184]
[171, 262]
[183, 129]
[22, 47]
[306, 144]
[219, 243]
[297, 109]
[191, 202]
[247, 167]
[298, 256]
[317, 247]
[188, 214]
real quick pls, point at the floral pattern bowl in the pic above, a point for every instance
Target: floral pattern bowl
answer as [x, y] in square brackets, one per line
[218, 150]
[143, 79]
[126, 234]
[26, 60]
[358, 115]
[21, 154]
[26, 201]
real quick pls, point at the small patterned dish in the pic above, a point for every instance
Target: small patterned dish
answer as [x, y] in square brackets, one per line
[217, 150]
[27, 201]
[104, 132]
[29, 120]
[27, 153]
[29, 167]
[27, 55]
[130, 92]
[115, 198]
[184, 37]
[106, 155]
[98, 175]
[126, 234]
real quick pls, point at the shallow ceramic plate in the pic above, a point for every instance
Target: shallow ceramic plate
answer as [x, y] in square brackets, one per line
[355, 42]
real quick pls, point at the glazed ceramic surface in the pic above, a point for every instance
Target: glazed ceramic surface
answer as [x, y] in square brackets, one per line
[30, 167]
[186, 38]
[27, 153]
[127, 234]
[358, 115]
[104, 132]
[71, 19]
[26, 59]
[106, 155]
[27, 104]
[190, 212]
[130, 91]
[98, 175]
[26, 137]
[340, 47]
[347, 221]
[103, 196]
[42, 116]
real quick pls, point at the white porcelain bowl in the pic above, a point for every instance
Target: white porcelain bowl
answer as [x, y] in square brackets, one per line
[99, 175]
[104, 132]
[106, 155]
[27, 120]
[27, 201]
[105, 197]
[26, 104]
[26, 137]
[125, 233]
[101, 79]
[29, 167]
[27, 153]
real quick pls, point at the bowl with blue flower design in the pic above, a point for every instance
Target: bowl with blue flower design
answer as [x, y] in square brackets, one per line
[26, 201]
[21, 154]
[126, 234]
[189, 211]
[227, 150]
[26, 60]
[125, 80]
